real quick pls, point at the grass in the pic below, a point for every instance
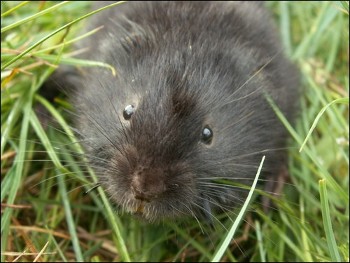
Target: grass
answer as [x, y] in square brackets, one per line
[47, 217]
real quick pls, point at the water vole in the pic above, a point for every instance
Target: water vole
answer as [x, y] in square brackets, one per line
[187, 107]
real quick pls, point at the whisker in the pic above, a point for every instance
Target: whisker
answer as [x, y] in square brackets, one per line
[207, 212]
[247, 81]
[93, 188]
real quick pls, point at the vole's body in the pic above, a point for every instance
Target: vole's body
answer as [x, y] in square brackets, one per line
[184, 67]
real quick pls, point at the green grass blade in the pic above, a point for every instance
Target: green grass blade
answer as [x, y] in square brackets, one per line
[324, 173]
[10, 122]
[304, 236]
[55, 32]
[310, 42]
[61, 45]
[319, 115]
[14, 8]
[17, 178]
[116, 228]
[69, 218]
[59, 119]
[25, 20]
[334, 50]
[78, 62]
[230, 234]
[345, 5]
[327, 223]
[285, 27]
[57, 247]
[262, 250]
[45, 141]
[193, 242]
[110, 214]
[285, 239]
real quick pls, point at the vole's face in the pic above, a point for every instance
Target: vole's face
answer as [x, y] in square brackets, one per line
[185, 111]
[151, 170]
[164, 140]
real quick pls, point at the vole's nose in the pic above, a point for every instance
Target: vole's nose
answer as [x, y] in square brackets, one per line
[143, 196]
[148, 184]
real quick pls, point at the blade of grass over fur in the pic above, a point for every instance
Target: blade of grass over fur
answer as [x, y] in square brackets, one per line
[230, 234]
[324, 173]
[115, 224]
[66, 129]
[45, 141]
[68, 42]
[327, 223]
[69, 218]
[319, 115]
[55, 32]
[59, 119]
[78, 62]
[27, 19]
[41, 133]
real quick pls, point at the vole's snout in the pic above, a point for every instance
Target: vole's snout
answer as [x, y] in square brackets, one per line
[148, 183]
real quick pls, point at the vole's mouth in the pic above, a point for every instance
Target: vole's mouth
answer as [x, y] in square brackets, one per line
[149, 211]
[140, 208]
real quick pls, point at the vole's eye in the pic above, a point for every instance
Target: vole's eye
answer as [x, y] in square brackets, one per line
[207, 135]
[128, 111]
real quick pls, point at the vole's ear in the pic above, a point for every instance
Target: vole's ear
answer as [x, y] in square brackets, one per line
[63, 82]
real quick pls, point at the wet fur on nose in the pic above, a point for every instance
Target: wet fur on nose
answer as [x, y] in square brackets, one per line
[148, 183]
